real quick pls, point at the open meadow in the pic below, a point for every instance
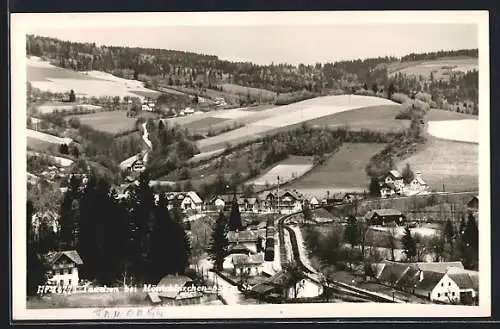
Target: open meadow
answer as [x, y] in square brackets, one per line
[440, 68]
[454, 164]
[289, 169]
[263, 122]
[47, 77]
[342, 171]
[112, 122]
[456, 130]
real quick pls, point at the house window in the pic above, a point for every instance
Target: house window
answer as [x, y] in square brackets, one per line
[442, 284]
[439, 295]
[449, 284]
[453, 294]
[446, 294]
[69, 282]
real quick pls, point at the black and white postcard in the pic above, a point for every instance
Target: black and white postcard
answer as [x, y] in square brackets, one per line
[250, 165]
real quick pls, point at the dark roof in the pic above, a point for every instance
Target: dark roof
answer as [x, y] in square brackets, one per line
[392, 271]
[73, 255]
[430, 280]
[441, 267]
[464, 279]
[174, 280]
[383, 213]
[242, 236]
[241, 260]
[410, 277]
[238, 248]
[395, 174]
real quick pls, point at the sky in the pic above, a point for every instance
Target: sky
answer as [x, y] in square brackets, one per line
[292, 44]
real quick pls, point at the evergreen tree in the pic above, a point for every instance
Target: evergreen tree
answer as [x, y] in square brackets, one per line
[351, 232]
[407, 174]
[219, 241]
[391, 90]
[35, 267]
[72, 96]
[374, 188]
[470, 243]
[306, 210]
[448, 232]
[235, 222]
[409, 245]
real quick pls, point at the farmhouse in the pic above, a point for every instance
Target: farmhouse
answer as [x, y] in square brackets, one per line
[284, 202]
[251, 265]
[64, 267]
[175, 290]
[384, 217]
[246, 204]
[250, 239]
[392, 184]
[285, 285]
[185, 200]
[445, 282]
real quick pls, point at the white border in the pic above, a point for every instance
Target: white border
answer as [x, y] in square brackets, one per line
[23, 23]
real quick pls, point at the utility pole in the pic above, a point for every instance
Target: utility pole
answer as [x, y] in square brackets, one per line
[278, 194]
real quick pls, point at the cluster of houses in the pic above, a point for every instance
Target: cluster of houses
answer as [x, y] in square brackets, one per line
[440, 282]
[393, 185]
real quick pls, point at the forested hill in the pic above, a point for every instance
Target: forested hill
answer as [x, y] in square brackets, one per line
[187, 68]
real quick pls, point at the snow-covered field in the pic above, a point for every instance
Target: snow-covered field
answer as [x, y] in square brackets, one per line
[89, 84]
[263, 121]
[47, 138]
[44, 109]
[285, 172]
[456, 130]
[59, 160]
[232, 114]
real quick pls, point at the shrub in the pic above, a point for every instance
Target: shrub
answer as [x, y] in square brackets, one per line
[424, 97]
[400, 98]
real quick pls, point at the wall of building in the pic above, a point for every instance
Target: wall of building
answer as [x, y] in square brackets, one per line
[445, 290]
[70, 278]
[307, 288]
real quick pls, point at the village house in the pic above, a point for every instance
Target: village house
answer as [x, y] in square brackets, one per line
[443, 282]
[251, 265]
[252, 240]
[187, 201]
[63, 267]
[392, 185]
[284, 285]
[385, 217]
[416, 186]
[175, 290]
[245, 204]
[285, 202]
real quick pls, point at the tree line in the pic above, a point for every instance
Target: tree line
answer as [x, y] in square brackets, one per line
[121, 241]
[190, 69]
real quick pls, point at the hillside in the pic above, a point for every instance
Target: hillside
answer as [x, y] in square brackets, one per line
[344, 171]
[261, 123]
[449, 163]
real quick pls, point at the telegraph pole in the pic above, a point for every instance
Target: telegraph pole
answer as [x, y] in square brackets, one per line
[278, 196]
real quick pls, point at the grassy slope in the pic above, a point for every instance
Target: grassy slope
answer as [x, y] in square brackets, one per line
[372, 117]
[343, 170]
[453, 164]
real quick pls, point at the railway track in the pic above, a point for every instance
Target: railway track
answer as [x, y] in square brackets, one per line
[339, 289]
